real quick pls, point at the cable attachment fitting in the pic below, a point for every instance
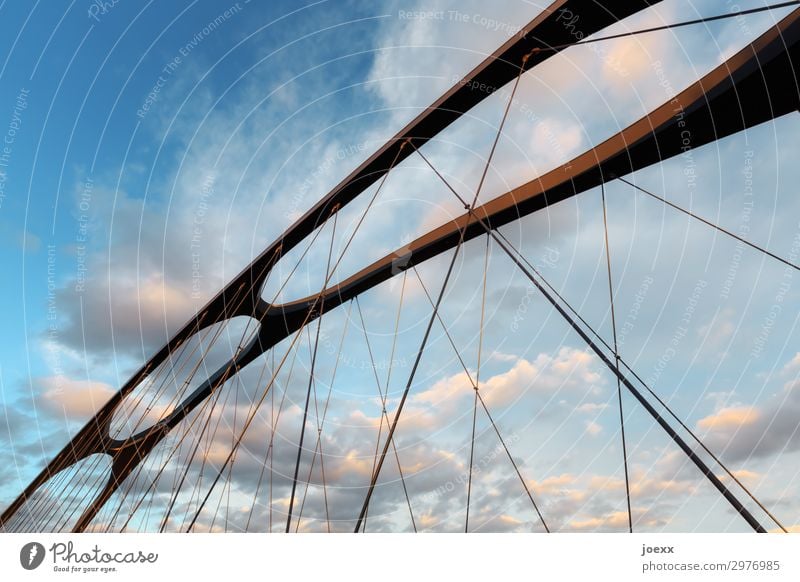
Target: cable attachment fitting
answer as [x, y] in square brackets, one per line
[532, 52]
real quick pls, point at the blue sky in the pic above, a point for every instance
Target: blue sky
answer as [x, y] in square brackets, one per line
[157, 149]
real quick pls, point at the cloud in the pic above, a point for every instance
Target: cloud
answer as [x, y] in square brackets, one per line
[76, 400]
[445, 390]
[38, 423]
[594, 502]
[645, 519]
[570, 370]
[438, 51]
[570, 373]
[750, 432]
[141, 281]
[594, 429]
[731, 418]
[793, 365]
[592, 407]
[555, 141]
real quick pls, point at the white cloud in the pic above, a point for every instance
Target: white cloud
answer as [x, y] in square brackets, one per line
[730, 418]
[140, 280]
[76, 400]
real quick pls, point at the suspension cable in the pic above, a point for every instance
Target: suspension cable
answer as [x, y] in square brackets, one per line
[599, 338]
[711, 224]
[311, 377]
[384, 415]
[644, 384]
[477, 382]
[318, 447]
[268, 452]
[485, 407]
[513, 462]
[616, 359]
[306, 319]
[208, 404]
[205, 425]
[418, 357]
[702, 20]
[386, 393]
[701, 465]
[737, 505]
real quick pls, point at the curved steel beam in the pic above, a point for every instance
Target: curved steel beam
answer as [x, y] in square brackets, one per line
[757, 84]
[562, 23]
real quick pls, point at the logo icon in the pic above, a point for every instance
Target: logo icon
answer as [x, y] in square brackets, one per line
[400, 260]
[31, 555]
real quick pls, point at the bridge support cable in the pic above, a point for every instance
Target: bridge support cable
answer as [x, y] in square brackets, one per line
[311, 377]
[306, 318]
[474, 384]
[227, 486]
[207, 415]
[479, 398]
[213, 402]
[130, 466]
[641, 381]
[345, 328]
[257, 402]
[203, 431]
[204, 437]
[163, 377]
[748, 121]
[616, 359]
[671, 26]
[267, 460]
[209, 438]
[274, 423]
[311, 312]
[60, 492]
[318, 448]
[270, 453]
[690, 453]
[271, 445]
[513, 462]
[477, 382]
[127, 460]
[66, 487]
[386, 393]
[471, 458]
[709, 223]
[462, 235]
[93, 437]
[393, 427]
[382, 397]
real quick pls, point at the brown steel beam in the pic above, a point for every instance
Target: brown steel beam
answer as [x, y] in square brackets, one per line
[562, 23]
[757, 84]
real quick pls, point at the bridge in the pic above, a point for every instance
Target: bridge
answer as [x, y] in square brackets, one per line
[144, 462]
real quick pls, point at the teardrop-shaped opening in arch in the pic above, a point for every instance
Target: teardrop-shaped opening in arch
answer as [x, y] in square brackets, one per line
[60, 501]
